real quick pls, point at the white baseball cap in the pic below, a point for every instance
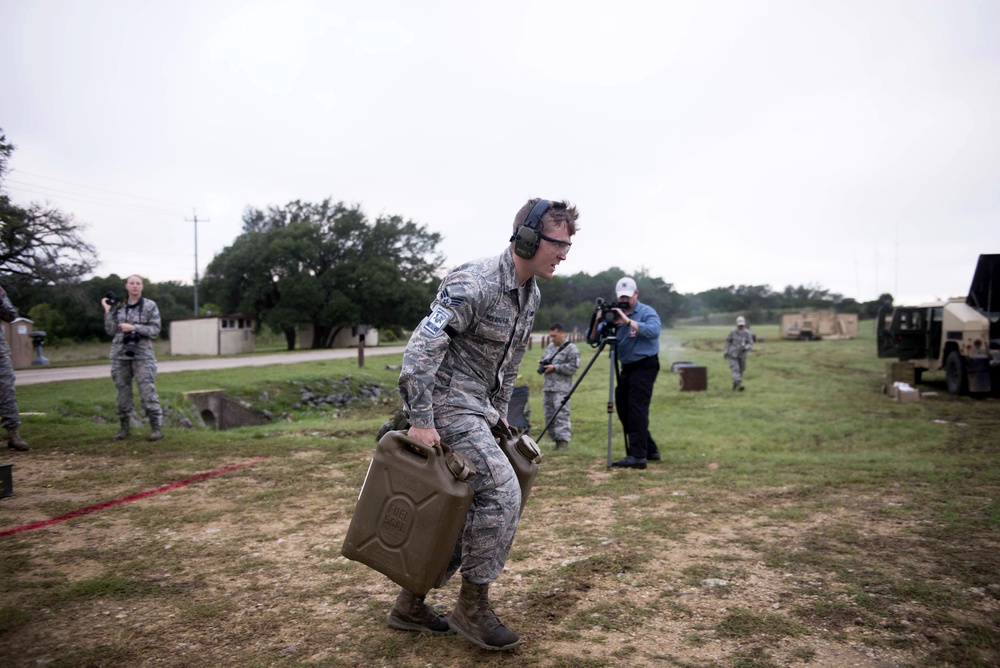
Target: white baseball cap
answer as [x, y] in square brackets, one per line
[625, 288]
[740, 321]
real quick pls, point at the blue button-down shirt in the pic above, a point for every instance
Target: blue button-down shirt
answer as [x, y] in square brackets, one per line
[633, 346]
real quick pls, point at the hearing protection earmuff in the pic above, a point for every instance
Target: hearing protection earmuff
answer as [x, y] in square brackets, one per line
[528, 236]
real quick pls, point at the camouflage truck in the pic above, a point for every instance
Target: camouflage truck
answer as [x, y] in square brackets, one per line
[960, 335]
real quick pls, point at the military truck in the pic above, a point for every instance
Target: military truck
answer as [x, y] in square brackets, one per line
[960, 335]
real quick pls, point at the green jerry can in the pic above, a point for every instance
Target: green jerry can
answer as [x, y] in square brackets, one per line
[410, 511]
[523, 454]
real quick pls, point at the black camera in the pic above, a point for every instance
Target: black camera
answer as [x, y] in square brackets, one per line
[131, 340]
[112, 298]
[605, 310]
[542, 363]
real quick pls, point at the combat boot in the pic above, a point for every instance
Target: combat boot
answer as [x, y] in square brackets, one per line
[15, 442]
[474, 618]
[410, 613]
[124, 432]
[562, 445]
[155, 432]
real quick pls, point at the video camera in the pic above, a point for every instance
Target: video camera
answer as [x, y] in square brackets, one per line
[604, 311]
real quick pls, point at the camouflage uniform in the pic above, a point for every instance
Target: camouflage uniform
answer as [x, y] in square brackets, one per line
[458, 375]
[557, 384]
[145, 315]
[737, 345]
[8, 401]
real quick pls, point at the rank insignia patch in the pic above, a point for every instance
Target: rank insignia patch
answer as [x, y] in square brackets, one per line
[444, 299]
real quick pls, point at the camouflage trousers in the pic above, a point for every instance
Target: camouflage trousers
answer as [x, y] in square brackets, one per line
[560, 429]
[491, 523]
[8, 401]
[144, 372]
[737, 365]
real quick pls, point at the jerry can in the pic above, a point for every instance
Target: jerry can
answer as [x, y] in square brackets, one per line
[410, 511]
[523, 454]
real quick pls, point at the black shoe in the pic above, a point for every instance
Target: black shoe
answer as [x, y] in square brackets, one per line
[653, 456]
[741, 388]
[630, 462]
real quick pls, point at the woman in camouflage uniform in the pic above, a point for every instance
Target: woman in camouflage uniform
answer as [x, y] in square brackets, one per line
[134, 323]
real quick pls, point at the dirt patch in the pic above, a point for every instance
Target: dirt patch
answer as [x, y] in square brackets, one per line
[244, 569]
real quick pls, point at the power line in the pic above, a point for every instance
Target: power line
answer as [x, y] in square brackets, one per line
[83, 197]
[80, 185]
[88, 199]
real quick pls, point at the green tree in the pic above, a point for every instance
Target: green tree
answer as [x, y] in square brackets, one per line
[325, 264]
[871, 309]
[174, 299]
[570, 300]
[46, 319]
[38, 244]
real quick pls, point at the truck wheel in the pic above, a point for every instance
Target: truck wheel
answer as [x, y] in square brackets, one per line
[958, 381]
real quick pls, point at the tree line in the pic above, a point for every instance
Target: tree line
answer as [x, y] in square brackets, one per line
[571, 300]
[329, 266]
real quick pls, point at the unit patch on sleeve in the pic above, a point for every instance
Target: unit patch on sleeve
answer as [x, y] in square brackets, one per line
[437, 320]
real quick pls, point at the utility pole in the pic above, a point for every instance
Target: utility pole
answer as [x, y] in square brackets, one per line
[195, 220]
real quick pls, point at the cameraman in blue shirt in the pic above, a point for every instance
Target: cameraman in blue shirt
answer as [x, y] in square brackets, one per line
[637, 335]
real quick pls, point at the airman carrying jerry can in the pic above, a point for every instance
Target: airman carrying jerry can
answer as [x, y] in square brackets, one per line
[523, 454]
[410, 511]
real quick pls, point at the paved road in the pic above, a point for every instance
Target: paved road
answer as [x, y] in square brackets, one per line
[51, 375]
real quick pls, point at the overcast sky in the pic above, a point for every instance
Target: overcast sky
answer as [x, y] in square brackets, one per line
[853, 145]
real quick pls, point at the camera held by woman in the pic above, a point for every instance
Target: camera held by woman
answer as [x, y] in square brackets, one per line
[134, 322]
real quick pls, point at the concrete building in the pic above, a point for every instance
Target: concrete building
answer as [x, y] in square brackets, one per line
[215, 335]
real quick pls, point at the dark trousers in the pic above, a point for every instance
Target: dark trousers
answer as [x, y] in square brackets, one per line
[632, 397]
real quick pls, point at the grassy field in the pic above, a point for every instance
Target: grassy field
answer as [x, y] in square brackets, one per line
[809, 521]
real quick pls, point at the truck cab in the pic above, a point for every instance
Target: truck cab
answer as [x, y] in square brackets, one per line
[961, 335]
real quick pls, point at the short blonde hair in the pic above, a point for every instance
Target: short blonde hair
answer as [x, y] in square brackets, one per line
[559, 212]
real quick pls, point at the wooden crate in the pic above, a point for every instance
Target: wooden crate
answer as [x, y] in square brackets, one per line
[899, 372]
[693, 378]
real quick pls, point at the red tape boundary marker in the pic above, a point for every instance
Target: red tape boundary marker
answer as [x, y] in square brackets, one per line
[135, 497]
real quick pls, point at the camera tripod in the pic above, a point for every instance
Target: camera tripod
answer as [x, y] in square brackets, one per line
[613, 374]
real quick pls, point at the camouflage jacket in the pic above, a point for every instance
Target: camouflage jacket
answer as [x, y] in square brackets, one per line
[566, 362]
[8, 314]
[738, 343]
[145, 315]
[464, 356]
